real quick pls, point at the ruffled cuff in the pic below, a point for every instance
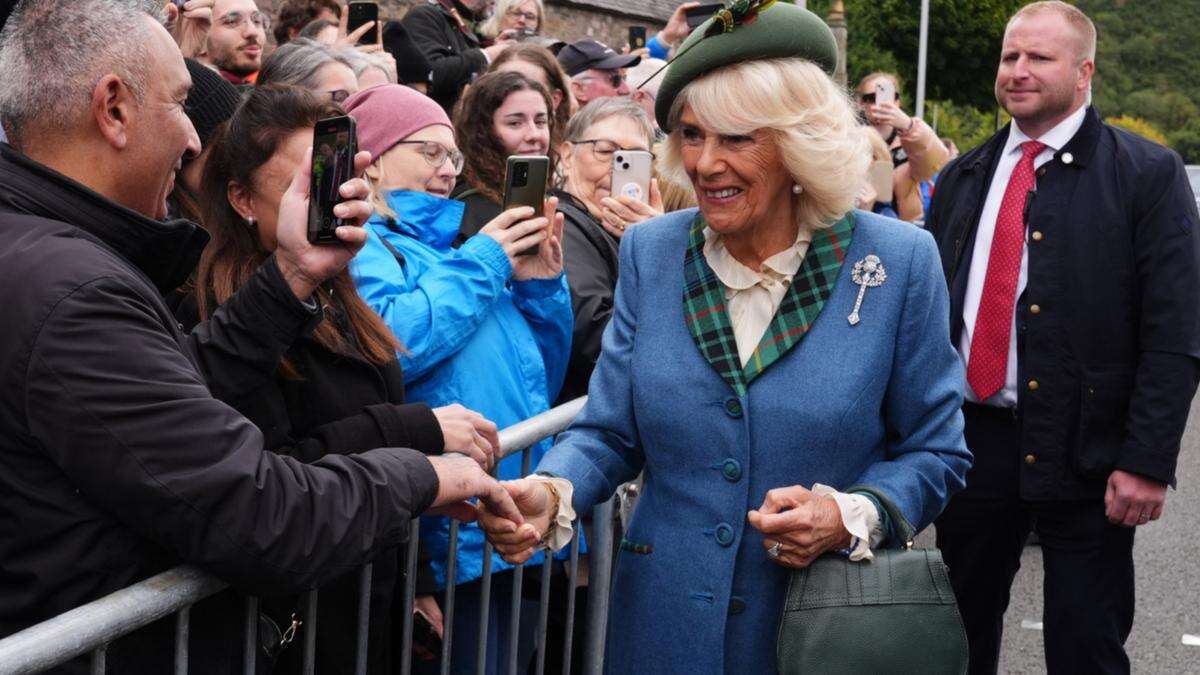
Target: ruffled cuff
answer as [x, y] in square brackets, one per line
[861, 520]
[560, 531]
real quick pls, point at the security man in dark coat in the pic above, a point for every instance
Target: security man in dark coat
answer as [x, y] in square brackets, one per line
[118, 462]
[445, 32]
[1074, 275]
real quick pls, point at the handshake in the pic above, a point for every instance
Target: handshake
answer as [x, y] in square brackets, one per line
[513, 514]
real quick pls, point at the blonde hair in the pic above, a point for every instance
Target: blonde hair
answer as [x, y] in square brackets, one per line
[811, 117]
[491, 27]
[1075, 18]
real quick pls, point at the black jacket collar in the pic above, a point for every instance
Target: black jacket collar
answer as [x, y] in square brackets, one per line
[1081, 146]
[165, 251]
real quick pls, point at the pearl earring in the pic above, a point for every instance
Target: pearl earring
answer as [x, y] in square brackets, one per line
[250, 221]
[796, 189]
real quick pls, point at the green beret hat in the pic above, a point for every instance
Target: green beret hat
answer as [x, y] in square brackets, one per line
[778, 32]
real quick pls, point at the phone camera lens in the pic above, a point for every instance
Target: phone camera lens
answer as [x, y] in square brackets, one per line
[625, 166]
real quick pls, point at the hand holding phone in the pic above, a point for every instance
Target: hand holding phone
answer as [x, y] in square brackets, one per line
[525, 179]
[334, 147]
[362, 13]
[885, 91]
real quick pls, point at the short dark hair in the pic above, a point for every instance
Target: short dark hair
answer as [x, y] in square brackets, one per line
[294, 15]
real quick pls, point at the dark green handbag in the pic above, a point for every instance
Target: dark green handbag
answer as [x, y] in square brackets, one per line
[895, 614]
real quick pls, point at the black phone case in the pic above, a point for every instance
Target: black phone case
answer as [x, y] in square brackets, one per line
[361, 13]
[323, 196]
[528, 189]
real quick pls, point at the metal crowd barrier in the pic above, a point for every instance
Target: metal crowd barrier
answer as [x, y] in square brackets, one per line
[92, 627]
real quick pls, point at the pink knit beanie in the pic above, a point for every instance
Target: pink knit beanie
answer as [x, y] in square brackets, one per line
[389, 113]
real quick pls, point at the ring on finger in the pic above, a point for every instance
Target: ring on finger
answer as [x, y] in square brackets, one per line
[1144, 517]
[774, 550]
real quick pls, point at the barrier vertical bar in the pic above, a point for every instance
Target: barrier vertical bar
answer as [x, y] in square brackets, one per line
[364, 618]
[448, 605]
[410, 596]
[544, 615]
[514, 635]
[182, 628]
[599, 579]
[572, 575]
[98, 660]
[250, 637]
[485, 606]
[310, 632]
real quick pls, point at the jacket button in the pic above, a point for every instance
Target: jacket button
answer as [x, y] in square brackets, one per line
[1037, 235]
[1067, 158]
[733, 408]
[732, 470]
[1030, 459]
[1035, 309]
[736, 605]
[1041, 171]
[724, 534]
[1033, 385]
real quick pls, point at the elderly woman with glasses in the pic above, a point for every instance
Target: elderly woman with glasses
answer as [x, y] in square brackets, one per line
[596, 219]
[481, 325]
[514, 19]
[313, 66]
[778, 366]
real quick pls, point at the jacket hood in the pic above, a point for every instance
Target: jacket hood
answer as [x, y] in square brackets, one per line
[165, 251]
[427, 218]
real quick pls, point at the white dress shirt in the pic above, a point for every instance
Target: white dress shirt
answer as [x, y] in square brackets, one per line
[1054, 140]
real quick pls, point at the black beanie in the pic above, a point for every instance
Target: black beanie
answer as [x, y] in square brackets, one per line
[411, 65]
[211, 101]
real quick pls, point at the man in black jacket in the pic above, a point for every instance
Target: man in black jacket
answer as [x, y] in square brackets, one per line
[117, 461]
[1074, 275]
[445, 32]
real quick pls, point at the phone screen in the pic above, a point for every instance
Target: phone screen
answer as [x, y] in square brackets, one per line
[332, 164]
[361, 13]
[698, 15]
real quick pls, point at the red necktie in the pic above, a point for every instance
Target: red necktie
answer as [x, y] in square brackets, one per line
[988, 361]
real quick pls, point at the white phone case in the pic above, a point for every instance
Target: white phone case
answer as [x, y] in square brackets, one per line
[631, 171]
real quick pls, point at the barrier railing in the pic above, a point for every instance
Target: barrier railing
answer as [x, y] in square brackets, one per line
[92, 627]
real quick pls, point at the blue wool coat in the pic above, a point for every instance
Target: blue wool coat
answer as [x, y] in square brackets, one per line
[875, 404]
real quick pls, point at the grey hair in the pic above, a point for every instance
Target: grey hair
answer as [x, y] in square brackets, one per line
[359, 62]
[604, 108]
[297, 62]
[53, 53]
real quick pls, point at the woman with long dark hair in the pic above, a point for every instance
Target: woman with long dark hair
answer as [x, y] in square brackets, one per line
[538, 64]
[338, 390]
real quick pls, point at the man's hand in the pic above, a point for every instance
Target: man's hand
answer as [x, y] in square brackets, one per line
[803, 524]
[677, 28]
[1133, 500]
[190, 25]
[305, 266]
[459, 480]
[469, 433]
[514, 541]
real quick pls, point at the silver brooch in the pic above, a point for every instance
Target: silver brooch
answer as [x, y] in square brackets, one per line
[867, 273]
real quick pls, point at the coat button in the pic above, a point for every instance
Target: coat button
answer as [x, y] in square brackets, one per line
[1037, 235]
[733, 408]
[1041, 171]
[1030, 459]
[1033, 385]
[1035, 309]
[736, 605]
[724, 534]
[732, 470]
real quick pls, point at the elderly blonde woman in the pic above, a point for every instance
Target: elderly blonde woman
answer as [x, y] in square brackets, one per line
[513, 17]
[777, 365]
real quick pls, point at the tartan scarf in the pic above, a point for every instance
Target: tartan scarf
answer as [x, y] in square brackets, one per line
[707, 316]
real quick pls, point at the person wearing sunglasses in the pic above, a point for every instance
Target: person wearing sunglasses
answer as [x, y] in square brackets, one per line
[596, 70]
[235, 42]
[480, 324]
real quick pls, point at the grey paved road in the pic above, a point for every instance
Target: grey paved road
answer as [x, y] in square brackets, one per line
[1168, 585]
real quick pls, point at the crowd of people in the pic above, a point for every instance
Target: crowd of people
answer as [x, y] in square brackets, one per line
[784, 366]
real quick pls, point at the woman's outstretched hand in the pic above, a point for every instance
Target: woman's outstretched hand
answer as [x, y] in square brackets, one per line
[515, 542]
[803, 524]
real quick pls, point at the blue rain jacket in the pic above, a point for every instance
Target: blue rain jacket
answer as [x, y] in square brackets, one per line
[470, 334]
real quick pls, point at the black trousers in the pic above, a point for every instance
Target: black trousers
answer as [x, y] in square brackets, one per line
[1088, 588]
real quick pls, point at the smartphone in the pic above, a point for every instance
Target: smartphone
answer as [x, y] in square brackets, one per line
[631, 170]
[524, 34]
[698, 15]
[361, 13]
[525, 185]
[880, 178]
[885, 91]
[334, 146]
[637, 37]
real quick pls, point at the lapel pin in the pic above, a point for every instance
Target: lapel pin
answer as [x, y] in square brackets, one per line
[867, 273]
[1067, 158]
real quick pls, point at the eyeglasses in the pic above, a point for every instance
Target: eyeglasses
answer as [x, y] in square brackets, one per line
[233, 20]
[604, 150]
[436, 154]
[515, 13]
[614, 78]
[335, 95]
